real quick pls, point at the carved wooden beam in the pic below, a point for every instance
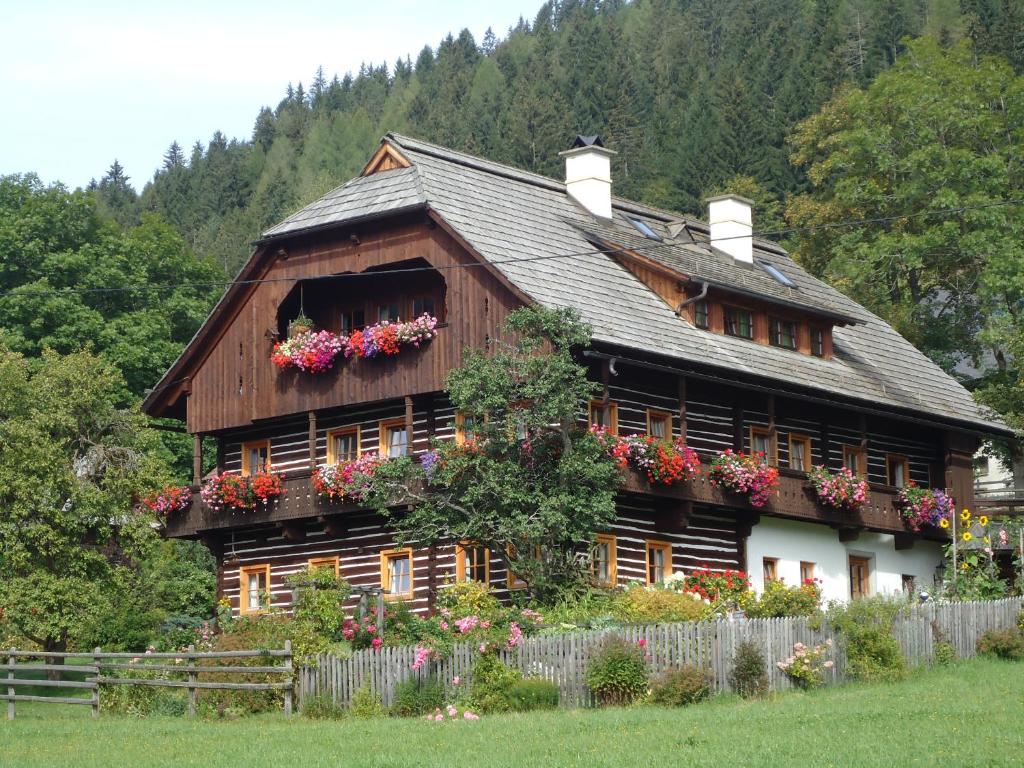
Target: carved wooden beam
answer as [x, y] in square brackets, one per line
[312, 440]
[904, 541]
[293, 530]
[745, 523]
[334, 527]
[197, 459]
[682, 407]
[849, 533]
[676, 518]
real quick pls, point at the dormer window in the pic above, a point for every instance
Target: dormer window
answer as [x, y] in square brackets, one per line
[817, 341]
[739, 322]
[783, 333]
[700, 314]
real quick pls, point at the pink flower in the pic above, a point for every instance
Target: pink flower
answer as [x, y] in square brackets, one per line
[376, 643]
[444, 625]
[470, 716]
[438, 718]
[483, 647]
[642, 642]
[456, 680]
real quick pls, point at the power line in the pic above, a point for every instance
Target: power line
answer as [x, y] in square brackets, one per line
[523, 260]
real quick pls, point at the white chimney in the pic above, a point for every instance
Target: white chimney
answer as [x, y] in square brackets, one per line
[588, 175]
[731, 222]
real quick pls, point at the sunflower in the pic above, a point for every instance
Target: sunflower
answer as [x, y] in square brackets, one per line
[967, 536]
[983, 520]
[965, 515]
[944, 522]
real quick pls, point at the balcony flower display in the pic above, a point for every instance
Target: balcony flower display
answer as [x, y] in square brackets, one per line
[348, 481]
[923, 506]
[169, 501]
[308, 351]
[229, 490]
[750, 475]
[841, 490]
[387, 338]
[663, 461]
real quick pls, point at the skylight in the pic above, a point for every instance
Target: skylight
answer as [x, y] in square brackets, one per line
[775, 272]
[644, 229]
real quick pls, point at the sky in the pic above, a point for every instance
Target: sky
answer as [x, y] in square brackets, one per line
[83, 83]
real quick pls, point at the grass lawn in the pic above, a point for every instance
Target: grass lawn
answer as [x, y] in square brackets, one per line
[971, 714]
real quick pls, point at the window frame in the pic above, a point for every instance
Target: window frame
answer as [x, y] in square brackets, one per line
[351, 313]
[386, 556]
[249, 445]
[769, 564]
[889, 457]
[862, 458]
[820, 331]
[423, 298]
[511, 580]
[702, 314]
[805, 440]
[656, 545]
[805, 566]
[726, 309]
[387, 306]
[866, 561]
[243, 588]
[613, 560]
[460, 428]
[384, 444]
[656, 414]
[773, 443]
[332, 457]
[775, 339]
[325, 562]
[611, 408]
[460, 562]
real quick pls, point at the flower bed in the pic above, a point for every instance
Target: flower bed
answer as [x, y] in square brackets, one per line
[725, 587]
[841, 490]
[920, 507]
[348, 481]
[744, 474]
[228, 490]
[169, 501]
[663, 461]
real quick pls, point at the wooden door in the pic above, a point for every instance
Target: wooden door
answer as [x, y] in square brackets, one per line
[860, 577]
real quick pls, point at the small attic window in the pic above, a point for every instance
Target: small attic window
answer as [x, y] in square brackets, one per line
[776, 273]
[643, 228]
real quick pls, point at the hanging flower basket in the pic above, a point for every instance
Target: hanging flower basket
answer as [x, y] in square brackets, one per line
[750, 475]
[300, 324]
[662, 461]
[841, 490]
[228, 490]
[920, 507]
[348, 481]
[169, 501]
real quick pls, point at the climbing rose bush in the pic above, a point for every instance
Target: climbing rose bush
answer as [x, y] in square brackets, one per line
[168, 501]
[841, 490]
[347, 481]
[920, 507]
[807, 666]
[228, 490]
[663, 461]
[744, 474]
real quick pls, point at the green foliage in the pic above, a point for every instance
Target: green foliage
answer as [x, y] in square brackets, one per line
[322, 707]
[320, 595]
[533, 693]
[617, 672]
[779, 600]
[639, 604]
[468, 598]
[945, 654]
[491, 683]
[866, 626]
[366, 703]
[677, 687]
[749, 676]
[414, 697]
[143, 700]
[1002, 643]
[975, 577]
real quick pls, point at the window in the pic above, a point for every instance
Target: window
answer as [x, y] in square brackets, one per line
[333, 563]
[465, 428]
[817, 341]
[423, 305]
[783, 333]
[799, 452]
[352, 320]
[659, 561]
[342, 445]
[254, 588]
[777, 273]
[700, 314]
[907, 582]
[855, 459]
[255, 457]
[603, 562]
[897, 470]
[396, 573]
[389, 312]
[644, 228]
[860, 577]
[739, 322]
[659, 424]
[770, 569]
[605, 415]
[472, 563]
[762, 440]
[807, 571]
[394, 438]
[511, 580]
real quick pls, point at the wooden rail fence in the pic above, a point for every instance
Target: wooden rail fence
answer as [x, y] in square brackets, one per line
[105, 669]
[563, 658]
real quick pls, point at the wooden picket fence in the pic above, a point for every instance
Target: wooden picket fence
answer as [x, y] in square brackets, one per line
[562, 658]
[108, 668]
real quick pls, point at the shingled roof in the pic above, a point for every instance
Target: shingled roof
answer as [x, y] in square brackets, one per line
[527, 227]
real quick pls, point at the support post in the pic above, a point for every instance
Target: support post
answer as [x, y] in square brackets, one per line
[312, 441]
[409, 423]
[288, 692]
[197, 459]
[192, 677]
[380, 613]
[737, 428]
[10, 688]
[682, 408]
[96, 690]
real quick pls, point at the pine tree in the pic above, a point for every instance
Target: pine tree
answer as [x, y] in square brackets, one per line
[174, 157]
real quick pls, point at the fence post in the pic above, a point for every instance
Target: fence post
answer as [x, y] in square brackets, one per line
[10, 688]
[96, 685]
[288, 667]
[190, 659]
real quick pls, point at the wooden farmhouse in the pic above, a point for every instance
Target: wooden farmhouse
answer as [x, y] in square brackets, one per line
[699, 330]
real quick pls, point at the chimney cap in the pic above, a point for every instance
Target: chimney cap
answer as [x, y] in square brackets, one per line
[737, 198]
[587, 141]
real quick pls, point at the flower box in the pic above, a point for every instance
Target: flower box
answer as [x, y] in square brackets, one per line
[348, 481]
[920, 507]
[749, 475]
[229, 490]
[841, 490]
[663, 462]
[171, 500]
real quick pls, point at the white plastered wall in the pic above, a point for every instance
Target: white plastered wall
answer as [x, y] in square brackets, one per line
[791, 542]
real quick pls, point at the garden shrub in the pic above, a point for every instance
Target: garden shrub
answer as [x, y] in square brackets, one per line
[677, 687]
[366, 703]
[593, 608]
[533, 693]
[872, 653]
[1002, 643]
[415, 697]
[945, 652]
[468, 598]
[143, 700]
[491, 683]
[638, 604]
[749, 675]
[617, 672]
[322, 707]
[319, 600]
[779, 600]
[807, 666]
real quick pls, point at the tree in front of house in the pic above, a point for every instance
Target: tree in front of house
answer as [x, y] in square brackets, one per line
[525, 479]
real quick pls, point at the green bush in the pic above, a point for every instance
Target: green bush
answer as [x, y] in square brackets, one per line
[945, 654]
[1002, 643]
[366, 703]
[319, 600]
[322, 707]
[491, 683]
[414, 697]
[872, 653]
[533, 693]
[468, 598]
[749, 675]
[682, 685]
[617, 672]
[638, 604]
[779, 600]
[143, 700]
